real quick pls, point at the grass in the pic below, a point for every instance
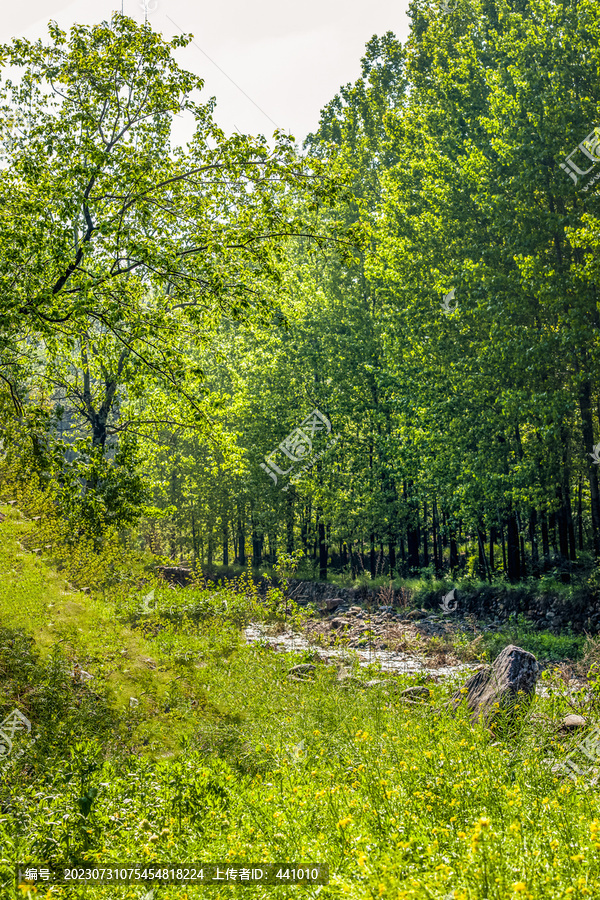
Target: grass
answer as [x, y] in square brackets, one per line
[227, 759]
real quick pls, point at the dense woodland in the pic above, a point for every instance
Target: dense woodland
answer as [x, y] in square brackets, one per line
[422, 272]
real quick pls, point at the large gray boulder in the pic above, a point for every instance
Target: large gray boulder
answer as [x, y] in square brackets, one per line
[500, 688]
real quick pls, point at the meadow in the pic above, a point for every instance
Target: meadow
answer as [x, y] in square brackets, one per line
[224, 758]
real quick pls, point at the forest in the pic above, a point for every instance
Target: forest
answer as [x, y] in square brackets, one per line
[264, 403]
[421, 273]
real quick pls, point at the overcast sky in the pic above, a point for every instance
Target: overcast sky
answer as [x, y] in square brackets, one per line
[289, 58]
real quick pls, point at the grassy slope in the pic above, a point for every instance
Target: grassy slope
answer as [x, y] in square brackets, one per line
[35, 597]
[400, 802]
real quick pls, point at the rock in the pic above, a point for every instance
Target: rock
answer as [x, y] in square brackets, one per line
[572, 722]
[302, 672]
[79, 674]
[373, 683]
[416, 614]
[339, 622]
[333, 603]
[356, 610]
[496, 688]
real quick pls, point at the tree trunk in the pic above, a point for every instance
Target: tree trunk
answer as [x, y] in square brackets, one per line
[241, 543]
[256, 548]
[545, 541]
[563, 532]
[493, 539]
[434, 528]
[552, 524]
[290, 525]
[580, 513]
[587, 426]
[210, 547]
[225, 544]
[484, 571]
[535, 557]
[425, 537]
[372, 557]
[514, 567]
[570, 524]
[322, 553]
[392, 551]
[194, 539]
[453, 552]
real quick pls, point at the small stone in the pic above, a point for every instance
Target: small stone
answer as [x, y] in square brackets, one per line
[572, 722]
[416, 614]
[333, 603]
[339, 622]
[302, 672]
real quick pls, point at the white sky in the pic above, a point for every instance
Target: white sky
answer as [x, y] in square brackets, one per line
[289, 58]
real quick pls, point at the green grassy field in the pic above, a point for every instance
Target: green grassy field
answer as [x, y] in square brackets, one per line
[224, 758]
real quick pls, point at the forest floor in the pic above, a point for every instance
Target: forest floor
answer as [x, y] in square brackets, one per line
[164, 737]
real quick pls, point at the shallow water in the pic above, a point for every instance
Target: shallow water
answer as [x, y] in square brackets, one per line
[390, 660]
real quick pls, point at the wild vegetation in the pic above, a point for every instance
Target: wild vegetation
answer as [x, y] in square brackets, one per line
[225, 758]
[373, 360]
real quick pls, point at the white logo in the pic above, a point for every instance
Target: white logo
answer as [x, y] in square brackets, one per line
[445, 605]
[13, 723]
[149, 6]
[445, 7]
[297, 751]
[149, 603]
[446, 307]
[596, 454]
[297, 445]
[589, 147]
